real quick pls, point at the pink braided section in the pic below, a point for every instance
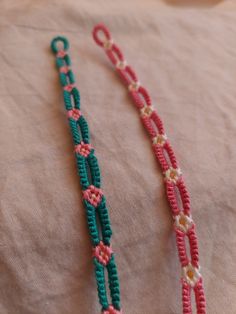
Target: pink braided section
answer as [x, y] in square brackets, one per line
[158, 151]
[186, 298]
[200, 297]
[171, 154]
[147, 122]
[184, 196]
[180, 241]
[176, 190]
[193, 246]
[171, 196]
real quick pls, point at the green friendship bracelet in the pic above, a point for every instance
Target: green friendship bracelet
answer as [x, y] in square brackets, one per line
[90, 180]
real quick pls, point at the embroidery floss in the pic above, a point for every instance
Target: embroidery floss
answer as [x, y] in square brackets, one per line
[90, 180]
[183, 224]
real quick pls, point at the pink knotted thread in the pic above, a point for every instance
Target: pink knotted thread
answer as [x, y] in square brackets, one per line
[61, 54]
[180, 241]
[111, 310]
[74, 114]
[103, 29]
[64, 69]
[102, 253]
[93, 195]
[166, 157]
[193, 246]
[69, 87]
[186, 298]
[83, 149]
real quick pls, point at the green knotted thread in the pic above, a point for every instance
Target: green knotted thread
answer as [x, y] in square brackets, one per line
[101, 286]
[75, 130]
[92, 224]
[94, 170]
[72, 100]
[104, 221]
[82, 170]
[84, 129]
[89, 174]
[114, 282]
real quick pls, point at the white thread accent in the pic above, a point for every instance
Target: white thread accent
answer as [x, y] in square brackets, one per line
[134, 86]
[146, 111]
[108, 44]
[160, 139]
[173, 174]
[191, 274]
[121, 65]
[183, 222]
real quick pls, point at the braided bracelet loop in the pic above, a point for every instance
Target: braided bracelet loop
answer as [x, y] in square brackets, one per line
[176, 191]
[58, 40]
[90, 179]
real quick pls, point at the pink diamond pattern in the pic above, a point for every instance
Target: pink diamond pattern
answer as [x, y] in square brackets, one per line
[74, 113]
[93, 195]
[111, 310]
[64, 69]
[69, 87]
[83, 149]
[61, 54]
[102, 253]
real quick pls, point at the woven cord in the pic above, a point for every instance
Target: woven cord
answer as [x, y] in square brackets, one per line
[176, 190]
[90, 180]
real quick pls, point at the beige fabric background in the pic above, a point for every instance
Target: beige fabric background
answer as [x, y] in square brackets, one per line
[186, 56]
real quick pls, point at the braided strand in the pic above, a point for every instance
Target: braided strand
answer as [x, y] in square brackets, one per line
[90, 180]
[184, 226]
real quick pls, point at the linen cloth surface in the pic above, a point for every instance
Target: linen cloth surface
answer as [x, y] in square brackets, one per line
[184, 52]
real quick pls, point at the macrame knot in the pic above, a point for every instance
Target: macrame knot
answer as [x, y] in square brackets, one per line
[65, 69]
[134, 86]
[74, 114]
[102, 253]
[160, 139]
[121, 65]
[111, 310]
[108, 44]
[69, 87]
[83, 149]
[146, 111]
[173, 174]
[183, 222]
[93, 195]
[191, 275]
[61, 54]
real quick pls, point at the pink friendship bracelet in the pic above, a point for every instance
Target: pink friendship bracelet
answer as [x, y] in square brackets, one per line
[184, 225]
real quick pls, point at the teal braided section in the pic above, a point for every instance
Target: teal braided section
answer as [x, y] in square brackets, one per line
[105, 221]
[72, 100]
[113, 282]
[90, 179]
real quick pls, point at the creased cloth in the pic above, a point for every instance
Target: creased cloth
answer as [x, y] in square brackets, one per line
[186, 57]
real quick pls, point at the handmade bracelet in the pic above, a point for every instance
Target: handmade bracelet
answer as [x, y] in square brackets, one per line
[175, 187]
[90, 180]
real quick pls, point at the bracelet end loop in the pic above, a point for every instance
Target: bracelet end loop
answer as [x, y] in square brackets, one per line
[59, 41]
[101, 28]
